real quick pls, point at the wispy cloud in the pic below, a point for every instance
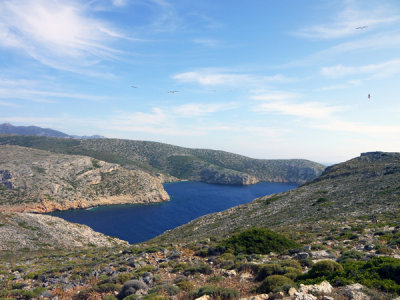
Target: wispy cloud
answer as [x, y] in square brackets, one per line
[357, 127]
[199, 109]
[380, 70]
[8, 104]
[56, 33]
[345, 22]
[283, 103]
[211, 77]
[211, 43]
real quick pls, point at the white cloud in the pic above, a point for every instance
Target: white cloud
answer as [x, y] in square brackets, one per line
[282, 103]
[199, 109]
[214, 77]
[346, 22]
[276, 96]
[119, 3]
[358, 128]
[8, 104]
[211, 43]
[381, 70]
[56, 33]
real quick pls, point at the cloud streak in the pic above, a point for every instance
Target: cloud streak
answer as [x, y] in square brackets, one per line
[346, 22]
[56, 33]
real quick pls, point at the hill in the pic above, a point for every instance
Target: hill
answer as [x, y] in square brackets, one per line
[7, 128]
[183, 163]
[364, 188]
[339, 238]
[19, 231]
[42, 181]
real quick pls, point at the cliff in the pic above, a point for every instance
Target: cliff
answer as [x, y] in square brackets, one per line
[33, 180]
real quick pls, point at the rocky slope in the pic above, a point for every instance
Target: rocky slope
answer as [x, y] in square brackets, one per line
[20, 231]
[33, 180]
[364, 187]
[183, 163]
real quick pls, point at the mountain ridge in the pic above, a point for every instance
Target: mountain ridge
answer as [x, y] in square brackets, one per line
[211, 166]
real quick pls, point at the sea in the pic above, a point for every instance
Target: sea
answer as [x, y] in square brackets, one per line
[137, 223]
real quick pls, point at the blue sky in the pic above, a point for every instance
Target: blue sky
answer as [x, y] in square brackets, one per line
[262, 78]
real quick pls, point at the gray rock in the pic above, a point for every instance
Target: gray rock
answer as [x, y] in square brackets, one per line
[302, 255]
[131, 287]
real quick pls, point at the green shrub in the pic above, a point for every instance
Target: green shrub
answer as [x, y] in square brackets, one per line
[350, 255]
[168, 289]
[107, 287]
[258, 241]
[215, 292]
[291, 263]
[267, 270]
[185, 285]
[110, 297]
[324, 268]
[273, 283]
[291, 272]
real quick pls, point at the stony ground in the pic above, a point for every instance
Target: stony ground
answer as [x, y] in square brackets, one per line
[179, 271]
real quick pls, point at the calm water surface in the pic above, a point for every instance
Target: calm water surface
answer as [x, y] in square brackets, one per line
[189, 200]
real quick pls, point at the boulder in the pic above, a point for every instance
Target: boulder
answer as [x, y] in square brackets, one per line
[354, 292]
[132, 287]
[302, 296]
[257, 297]
[324, 288]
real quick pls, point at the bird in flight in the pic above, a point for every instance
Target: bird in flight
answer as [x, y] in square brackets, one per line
[134, 87]
[369, 96]
[173, 92]
[361, 27]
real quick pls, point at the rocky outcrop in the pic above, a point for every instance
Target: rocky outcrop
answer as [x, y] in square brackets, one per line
[35, 231]
[39, 181]
[213, 175]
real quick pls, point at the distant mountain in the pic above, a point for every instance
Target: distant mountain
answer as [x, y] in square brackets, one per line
[204, 165]
[7, 128]
[359, 191]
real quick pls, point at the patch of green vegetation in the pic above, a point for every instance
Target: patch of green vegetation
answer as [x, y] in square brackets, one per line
[257, 241]
[271, 199]
[26, 226]
[95, 163]
[38, 169]
[213, 291]
[275, 283]
[381, 273]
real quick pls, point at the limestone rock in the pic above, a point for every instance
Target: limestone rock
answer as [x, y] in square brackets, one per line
[302, 296]
[257, 297]
[354, 292]
[323, 288]
[33, 180]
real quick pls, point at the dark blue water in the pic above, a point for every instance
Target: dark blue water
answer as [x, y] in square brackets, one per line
[189, 200]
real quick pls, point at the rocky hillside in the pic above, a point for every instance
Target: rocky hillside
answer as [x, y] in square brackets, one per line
[33, 180]
[365, 187]
[183, 163]
[19, 231]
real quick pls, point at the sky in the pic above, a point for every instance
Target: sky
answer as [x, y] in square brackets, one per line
[262, 78]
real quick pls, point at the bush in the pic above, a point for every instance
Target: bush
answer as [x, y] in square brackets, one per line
[267, 270]
[291, 263]
[216, 292]
[324, 268]
[273, 283]
[291, 272]
[257, 241]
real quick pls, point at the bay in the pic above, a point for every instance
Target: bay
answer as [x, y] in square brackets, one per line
[189, 200]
